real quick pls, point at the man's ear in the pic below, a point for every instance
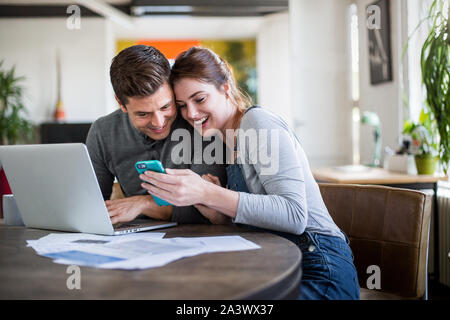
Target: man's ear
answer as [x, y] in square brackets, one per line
[124, 109]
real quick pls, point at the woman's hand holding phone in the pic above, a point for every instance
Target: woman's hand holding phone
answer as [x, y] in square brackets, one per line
[181, 187]
[152, 165]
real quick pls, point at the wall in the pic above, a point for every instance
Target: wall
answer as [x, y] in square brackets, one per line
[31, 44]
[185, 27]
[385, 99]
[320, 93]
[273, 65]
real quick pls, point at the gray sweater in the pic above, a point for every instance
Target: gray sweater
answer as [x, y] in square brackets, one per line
[283, 193]
[114, 146]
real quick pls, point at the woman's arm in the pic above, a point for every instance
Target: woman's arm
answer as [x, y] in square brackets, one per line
[214, 216]
[283, 207]
[183, 187]
[276, 171]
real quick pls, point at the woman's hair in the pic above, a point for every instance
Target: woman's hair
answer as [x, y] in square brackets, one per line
[205, 65]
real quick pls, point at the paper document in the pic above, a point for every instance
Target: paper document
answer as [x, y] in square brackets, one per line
[131, 251]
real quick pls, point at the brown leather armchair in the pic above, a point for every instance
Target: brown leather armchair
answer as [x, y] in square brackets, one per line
[388, 228]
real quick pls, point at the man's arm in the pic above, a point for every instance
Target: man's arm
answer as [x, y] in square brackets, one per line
[97, 152]
[120, 210]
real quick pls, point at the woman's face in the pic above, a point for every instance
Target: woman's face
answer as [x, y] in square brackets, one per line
[205, 107]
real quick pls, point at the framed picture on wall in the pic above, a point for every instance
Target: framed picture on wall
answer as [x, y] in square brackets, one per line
[378, 26]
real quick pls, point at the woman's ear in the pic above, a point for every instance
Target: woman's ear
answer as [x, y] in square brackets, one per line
[226, 89]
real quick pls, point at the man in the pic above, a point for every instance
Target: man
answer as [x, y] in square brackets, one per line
[140, 130]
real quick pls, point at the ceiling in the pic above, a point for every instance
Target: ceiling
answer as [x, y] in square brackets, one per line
[138, 8]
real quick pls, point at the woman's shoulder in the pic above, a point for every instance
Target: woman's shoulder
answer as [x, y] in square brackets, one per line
[258, 117]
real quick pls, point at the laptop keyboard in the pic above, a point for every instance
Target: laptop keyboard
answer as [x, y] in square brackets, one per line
[126, 225]
[132, 224]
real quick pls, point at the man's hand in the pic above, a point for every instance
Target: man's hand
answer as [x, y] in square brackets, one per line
[127, 209]
[214, 216]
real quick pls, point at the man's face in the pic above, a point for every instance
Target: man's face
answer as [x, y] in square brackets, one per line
[154, 114]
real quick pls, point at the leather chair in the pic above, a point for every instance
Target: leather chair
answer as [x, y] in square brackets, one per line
[389, 228]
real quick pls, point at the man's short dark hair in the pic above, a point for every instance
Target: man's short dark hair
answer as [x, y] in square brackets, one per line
[138, 71]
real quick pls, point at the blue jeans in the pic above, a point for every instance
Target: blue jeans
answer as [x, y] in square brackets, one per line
[328, 269]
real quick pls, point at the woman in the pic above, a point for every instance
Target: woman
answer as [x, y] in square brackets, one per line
[270, 185]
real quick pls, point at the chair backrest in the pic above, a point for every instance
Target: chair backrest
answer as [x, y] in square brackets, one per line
[387, 227]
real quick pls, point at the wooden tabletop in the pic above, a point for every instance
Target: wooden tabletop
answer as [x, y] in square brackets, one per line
[371, 176]
[272, 272]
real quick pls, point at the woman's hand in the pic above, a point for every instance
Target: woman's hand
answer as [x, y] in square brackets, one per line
[180, 187]
[214, 216]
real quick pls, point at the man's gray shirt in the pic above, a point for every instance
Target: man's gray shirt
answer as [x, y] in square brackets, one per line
[115, 145]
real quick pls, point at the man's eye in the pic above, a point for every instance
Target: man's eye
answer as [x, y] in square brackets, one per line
[179, 106]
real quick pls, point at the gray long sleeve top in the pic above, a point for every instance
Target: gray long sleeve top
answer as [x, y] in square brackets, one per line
[115, 145]
[283, 193]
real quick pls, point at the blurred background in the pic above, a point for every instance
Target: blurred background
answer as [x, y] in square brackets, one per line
[308, 61]
[347, 75]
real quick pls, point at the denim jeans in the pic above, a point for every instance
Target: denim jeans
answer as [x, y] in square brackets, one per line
[328, 269]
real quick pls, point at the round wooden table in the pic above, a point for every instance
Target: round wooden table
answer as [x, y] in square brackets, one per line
[272, 272]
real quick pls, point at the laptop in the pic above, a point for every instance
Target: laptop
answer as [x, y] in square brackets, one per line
[55, 188]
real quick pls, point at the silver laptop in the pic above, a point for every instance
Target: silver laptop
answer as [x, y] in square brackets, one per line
[56, 188]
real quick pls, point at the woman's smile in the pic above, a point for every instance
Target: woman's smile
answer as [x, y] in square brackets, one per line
[201, 122]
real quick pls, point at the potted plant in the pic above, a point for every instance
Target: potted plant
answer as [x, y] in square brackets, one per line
[14, 127]
[435, 66]
[425, 142]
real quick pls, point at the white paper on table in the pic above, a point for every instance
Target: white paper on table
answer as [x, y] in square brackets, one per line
[220, 243]
[56, 242]
[198, 245]
[132, 251]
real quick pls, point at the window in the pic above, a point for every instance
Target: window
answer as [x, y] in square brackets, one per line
[354, 81]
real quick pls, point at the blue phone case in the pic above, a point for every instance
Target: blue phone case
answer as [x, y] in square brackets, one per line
[152, 165]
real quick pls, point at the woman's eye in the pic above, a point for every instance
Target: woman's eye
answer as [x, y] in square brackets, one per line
[181, 106]
[200, 100]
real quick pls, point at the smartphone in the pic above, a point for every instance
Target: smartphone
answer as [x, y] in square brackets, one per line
[152, 165]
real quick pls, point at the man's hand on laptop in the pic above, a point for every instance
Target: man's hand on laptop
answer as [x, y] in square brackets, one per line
[127, 209]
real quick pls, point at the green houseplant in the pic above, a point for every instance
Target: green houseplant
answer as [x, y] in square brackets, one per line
[14, 128]
[425, 142]
[435, 66]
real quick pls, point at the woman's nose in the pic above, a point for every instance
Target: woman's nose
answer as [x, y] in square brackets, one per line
[191, 112]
